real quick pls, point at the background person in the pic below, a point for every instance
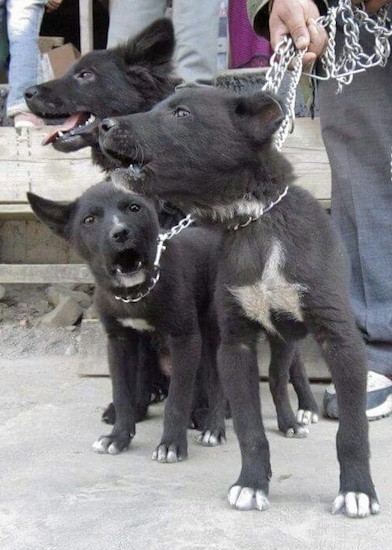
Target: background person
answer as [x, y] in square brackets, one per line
[356, 128]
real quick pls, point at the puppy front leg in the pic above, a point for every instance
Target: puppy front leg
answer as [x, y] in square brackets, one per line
[237, 363]
[185, 352]
[123, 362]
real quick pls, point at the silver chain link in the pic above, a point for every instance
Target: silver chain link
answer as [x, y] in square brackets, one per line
[162, 238]
[352, 59]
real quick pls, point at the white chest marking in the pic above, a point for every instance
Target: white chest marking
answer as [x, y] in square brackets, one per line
[137, 324]
[271, 293]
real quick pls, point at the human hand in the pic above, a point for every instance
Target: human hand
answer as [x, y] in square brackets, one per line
[52, 5]
[371, 6]
[297, 18]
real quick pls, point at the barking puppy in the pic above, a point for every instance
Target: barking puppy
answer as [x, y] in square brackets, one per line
[280, 267]
[116, 233]
[126, 79]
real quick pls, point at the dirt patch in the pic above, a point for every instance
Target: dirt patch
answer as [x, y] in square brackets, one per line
[21, 309]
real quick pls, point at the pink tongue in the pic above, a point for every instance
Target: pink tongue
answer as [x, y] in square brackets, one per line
[71, 122]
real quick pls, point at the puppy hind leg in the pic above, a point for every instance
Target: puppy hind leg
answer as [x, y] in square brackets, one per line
[282, 355]
[343, 350]
[308, 412]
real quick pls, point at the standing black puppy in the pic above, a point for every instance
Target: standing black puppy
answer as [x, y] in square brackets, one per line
[280, 265]
[116, 233]
[129, 78]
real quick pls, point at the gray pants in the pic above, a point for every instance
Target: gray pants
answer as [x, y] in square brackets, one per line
[357, 131]
[196, 29]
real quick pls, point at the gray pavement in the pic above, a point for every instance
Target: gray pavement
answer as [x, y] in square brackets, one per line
[56, 493]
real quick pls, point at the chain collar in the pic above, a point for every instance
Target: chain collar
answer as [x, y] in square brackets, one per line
[263, 211]
[161, 239]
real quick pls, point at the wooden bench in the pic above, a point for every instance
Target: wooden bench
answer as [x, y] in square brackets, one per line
[28, 166]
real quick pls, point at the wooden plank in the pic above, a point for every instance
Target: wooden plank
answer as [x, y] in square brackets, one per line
[45, 273]
[28, 166]
[304, 148]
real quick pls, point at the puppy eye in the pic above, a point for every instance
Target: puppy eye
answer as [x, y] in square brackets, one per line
[180, 112]
[85, 75]
[134, 207]
[88, 220]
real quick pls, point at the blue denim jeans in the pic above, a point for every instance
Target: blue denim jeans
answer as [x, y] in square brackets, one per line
[23, 23]
[196, 29]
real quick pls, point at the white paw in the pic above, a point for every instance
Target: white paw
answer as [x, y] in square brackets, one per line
[210, 439]
[307, 417]
[301, 431]
[355, 505]
[104, 446]
[166, 454]
[247, 498]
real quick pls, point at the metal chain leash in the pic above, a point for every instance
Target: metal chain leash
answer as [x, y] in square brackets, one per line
[352, 59]
[162, 238]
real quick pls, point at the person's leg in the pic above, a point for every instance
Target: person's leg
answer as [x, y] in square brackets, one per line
[24, 19]
[356, 127]
[129, 17]
[3, 37]
[196, 28]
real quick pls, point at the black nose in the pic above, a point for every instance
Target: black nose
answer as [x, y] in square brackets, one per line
[107, 124]
[31, 92]
[120, 235]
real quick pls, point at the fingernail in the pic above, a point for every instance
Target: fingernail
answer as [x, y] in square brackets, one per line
[313, 23]
[301, 42]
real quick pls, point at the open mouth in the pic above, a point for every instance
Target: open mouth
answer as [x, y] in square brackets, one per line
[128, 268]
[75, 125]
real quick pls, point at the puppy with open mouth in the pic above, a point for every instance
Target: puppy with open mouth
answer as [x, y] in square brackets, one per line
[280, 265]
[147, 286]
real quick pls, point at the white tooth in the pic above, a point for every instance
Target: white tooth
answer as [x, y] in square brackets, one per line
[60, 133]
[90, 119]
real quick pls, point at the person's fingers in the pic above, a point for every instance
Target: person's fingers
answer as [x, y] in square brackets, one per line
[318, 38]
[289, 20]
[374, 5]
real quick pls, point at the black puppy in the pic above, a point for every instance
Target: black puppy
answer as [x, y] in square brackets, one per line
[280, 265]
[128, 78]
[116, 233]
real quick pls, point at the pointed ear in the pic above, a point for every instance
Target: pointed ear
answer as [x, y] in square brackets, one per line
[262, 113]
[53, 214]
[154, 45]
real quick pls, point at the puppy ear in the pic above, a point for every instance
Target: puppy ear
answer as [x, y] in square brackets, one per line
[53, 214]
[154, 45]
[262, 113]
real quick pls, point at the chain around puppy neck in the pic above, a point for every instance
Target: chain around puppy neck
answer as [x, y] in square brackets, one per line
[161, 239]
[261, 213]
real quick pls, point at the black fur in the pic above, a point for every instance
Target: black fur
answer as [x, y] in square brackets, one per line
[210, 152]
[116, 232]
[128, 78]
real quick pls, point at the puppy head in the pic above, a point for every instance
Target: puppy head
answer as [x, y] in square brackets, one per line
[128, 78]
[113, 230]
[199, 147]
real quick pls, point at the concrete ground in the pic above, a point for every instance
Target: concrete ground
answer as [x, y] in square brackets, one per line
[56, 493]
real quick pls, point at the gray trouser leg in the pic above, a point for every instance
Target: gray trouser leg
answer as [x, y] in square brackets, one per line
[357, 131]
[196, 29]
[129, 17]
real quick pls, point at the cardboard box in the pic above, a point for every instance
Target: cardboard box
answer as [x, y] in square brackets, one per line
[57, 61]
[47, 43]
